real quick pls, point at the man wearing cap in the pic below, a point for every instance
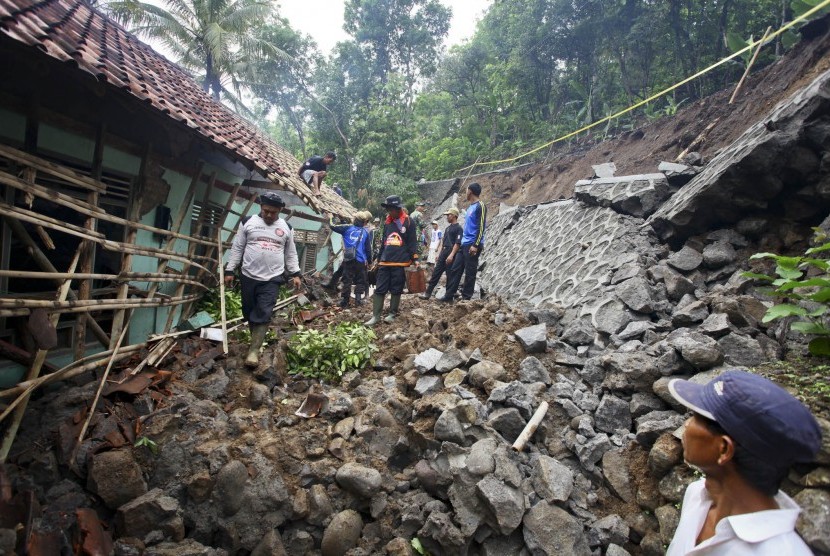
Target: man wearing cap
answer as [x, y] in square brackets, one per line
[264, 245]
[357, 256]
[398, 250]
[450, 246]
[434, 242]
[472, 244]
[313, 170]
[744, 434]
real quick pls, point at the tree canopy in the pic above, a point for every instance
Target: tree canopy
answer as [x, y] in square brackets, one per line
[397, 107]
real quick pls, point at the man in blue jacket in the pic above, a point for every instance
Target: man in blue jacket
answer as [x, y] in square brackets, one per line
[357, 256]
[472, 244]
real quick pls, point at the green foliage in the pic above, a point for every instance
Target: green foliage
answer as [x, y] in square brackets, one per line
[805, 298]
[418, 547]
[147, 443]
[210, 304]
[330, 354]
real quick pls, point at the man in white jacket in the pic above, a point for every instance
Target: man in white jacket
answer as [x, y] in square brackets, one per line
[265, 246]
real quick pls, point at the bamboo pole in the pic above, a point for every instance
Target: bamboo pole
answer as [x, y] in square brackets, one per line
[128, 277]
[71, 370]
[530, 428]
[42, 261]
[84, 208]
[749, 65]
[110, 245]
[222, 293]
[98, 393]
[51, 168]
[106, 305]
[16, 303]
[191, 250]
[34, 371]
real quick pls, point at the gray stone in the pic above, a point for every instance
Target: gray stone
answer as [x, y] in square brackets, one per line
[187, 547]
[342, 534]
[644, 402]
[532, 370]
[454, 378]
[814, 522]
[592, 450]
[428, 385]
[612, 414]
[611, 529]
[115, 477]
[742, 350]
[503, 545]
[699, 350]
[578, 333]
[604, 170]
[449, 360]
[481, 461]
[319, 505]
[636, 294]
[505, 504]
[718, 254]
[668, 517]
[551, 480]
[259, 395]
[635, 330]
[551, 317]
[612, 316]
[616, 550]
[652, 425]
[638, 195]
[270, 545]
[440, 529]
[448, 428]
[153, 511]
[665, 454]
[551, 531]
[508, 422]
[673, 486]
[357, 479]
[689, 314]
[475, 357]
[715, 325]
[823, 456]
[629, 372]
[685, 260]
[213, 386]
[743, 310]
[229, 490]
[534, 339]
[514, 394]
[615, 471]
[483, 371]
[426, 360]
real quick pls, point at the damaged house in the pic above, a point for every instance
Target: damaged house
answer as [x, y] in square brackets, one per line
[118, 176]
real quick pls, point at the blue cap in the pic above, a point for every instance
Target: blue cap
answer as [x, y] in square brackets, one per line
[757, 413]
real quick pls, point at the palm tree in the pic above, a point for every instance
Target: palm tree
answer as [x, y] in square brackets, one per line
[217, 41]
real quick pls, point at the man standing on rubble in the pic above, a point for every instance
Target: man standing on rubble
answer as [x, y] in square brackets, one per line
[450, 246]
[357, 256]
[398, 250]
[265, 247]
[472, 243]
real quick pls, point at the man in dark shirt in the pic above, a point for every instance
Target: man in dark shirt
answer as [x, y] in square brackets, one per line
[472, 244]
[449, 247]
[314, 169]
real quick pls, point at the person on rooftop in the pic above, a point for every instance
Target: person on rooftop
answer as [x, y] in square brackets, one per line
[744, 434]
[313, 170]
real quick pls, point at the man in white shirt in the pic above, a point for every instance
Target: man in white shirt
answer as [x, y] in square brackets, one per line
[744, 435]
[265, 246]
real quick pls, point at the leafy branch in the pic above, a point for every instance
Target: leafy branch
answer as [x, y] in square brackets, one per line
[330, 354]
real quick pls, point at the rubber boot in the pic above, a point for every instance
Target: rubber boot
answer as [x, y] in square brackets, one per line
[258, 332]
[344, 302]
[377, 309]
[358, 299]
[394, 304]
[426, 295]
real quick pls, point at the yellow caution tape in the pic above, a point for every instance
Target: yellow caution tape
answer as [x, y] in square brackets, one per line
[655, 96]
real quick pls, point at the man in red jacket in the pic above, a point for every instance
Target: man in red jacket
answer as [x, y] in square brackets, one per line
[399, 249]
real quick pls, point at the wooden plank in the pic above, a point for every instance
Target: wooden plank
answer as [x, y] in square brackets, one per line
[53, 169]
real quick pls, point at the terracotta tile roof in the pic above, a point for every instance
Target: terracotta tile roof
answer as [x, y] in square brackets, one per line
[72, 31]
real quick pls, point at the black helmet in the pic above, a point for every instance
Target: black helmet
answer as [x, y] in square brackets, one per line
[272, 199]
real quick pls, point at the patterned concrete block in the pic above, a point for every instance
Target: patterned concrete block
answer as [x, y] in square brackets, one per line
[639, 195]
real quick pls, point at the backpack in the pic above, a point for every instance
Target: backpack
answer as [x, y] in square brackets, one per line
[350, 253]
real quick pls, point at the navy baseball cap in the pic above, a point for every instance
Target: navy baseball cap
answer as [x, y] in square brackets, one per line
[757, 413]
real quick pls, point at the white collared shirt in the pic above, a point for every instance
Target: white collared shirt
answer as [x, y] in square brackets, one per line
[766, 533]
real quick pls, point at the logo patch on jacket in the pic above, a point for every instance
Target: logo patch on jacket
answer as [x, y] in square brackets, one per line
[394, 240]
[280, 232]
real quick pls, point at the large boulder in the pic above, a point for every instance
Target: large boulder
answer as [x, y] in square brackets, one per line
[551, 531]
[116, 478]
[362, 481]
[342, 533]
